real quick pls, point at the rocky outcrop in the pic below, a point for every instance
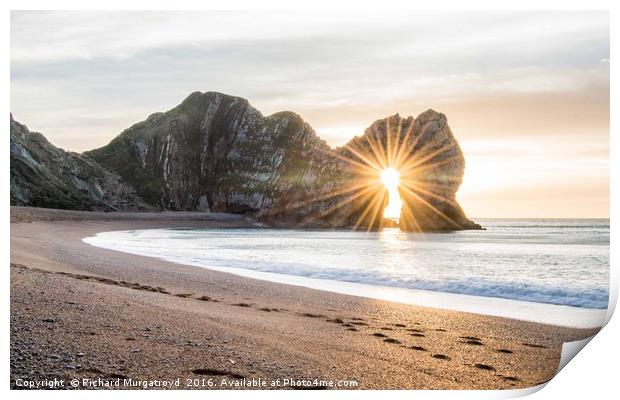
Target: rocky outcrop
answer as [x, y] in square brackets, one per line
[431, 166]
[43, 175]
[216, 152]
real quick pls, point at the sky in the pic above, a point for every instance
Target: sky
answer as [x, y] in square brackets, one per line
[526, 94]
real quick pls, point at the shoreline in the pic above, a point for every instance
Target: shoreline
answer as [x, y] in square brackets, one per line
[547, 313]
[117, 314]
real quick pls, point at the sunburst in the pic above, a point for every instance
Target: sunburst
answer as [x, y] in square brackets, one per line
[388, 164]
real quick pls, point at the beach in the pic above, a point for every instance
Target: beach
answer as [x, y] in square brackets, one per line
[84, 312]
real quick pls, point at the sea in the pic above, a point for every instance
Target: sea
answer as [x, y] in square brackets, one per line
[544, 270]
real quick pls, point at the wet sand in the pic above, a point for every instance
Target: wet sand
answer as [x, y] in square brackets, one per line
[79, 311]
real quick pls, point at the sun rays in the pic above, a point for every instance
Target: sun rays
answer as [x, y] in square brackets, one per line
[393, 174]
[391, 180]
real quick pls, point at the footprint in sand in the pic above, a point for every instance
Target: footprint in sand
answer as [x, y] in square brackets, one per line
[215, 372]
[310, 315]
[537, 346]
[484, 367]
[469, 338]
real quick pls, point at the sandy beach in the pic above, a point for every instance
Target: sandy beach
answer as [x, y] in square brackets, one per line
[78, 311]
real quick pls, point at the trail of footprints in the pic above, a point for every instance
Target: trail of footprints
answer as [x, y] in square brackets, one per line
[466, 340]
[352, 324]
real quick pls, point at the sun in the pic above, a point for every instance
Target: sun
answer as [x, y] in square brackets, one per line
[390, 178]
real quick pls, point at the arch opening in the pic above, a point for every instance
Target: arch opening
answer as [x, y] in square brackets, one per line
[390, 178]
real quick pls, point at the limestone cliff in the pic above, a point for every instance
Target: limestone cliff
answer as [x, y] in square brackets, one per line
[216, 152]
[431, 166]
[43, 175]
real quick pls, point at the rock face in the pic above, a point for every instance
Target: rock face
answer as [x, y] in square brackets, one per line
[431, 166]
[216, 152]
[43, 175]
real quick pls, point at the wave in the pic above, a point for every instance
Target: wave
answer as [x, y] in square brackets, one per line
[585, 298]
[565, 274]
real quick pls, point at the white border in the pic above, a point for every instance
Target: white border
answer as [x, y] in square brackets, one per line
[593, 373]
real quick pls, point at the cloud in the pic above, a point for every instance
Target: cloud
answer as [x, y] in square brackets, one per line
[516, 81]
[47, 36]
